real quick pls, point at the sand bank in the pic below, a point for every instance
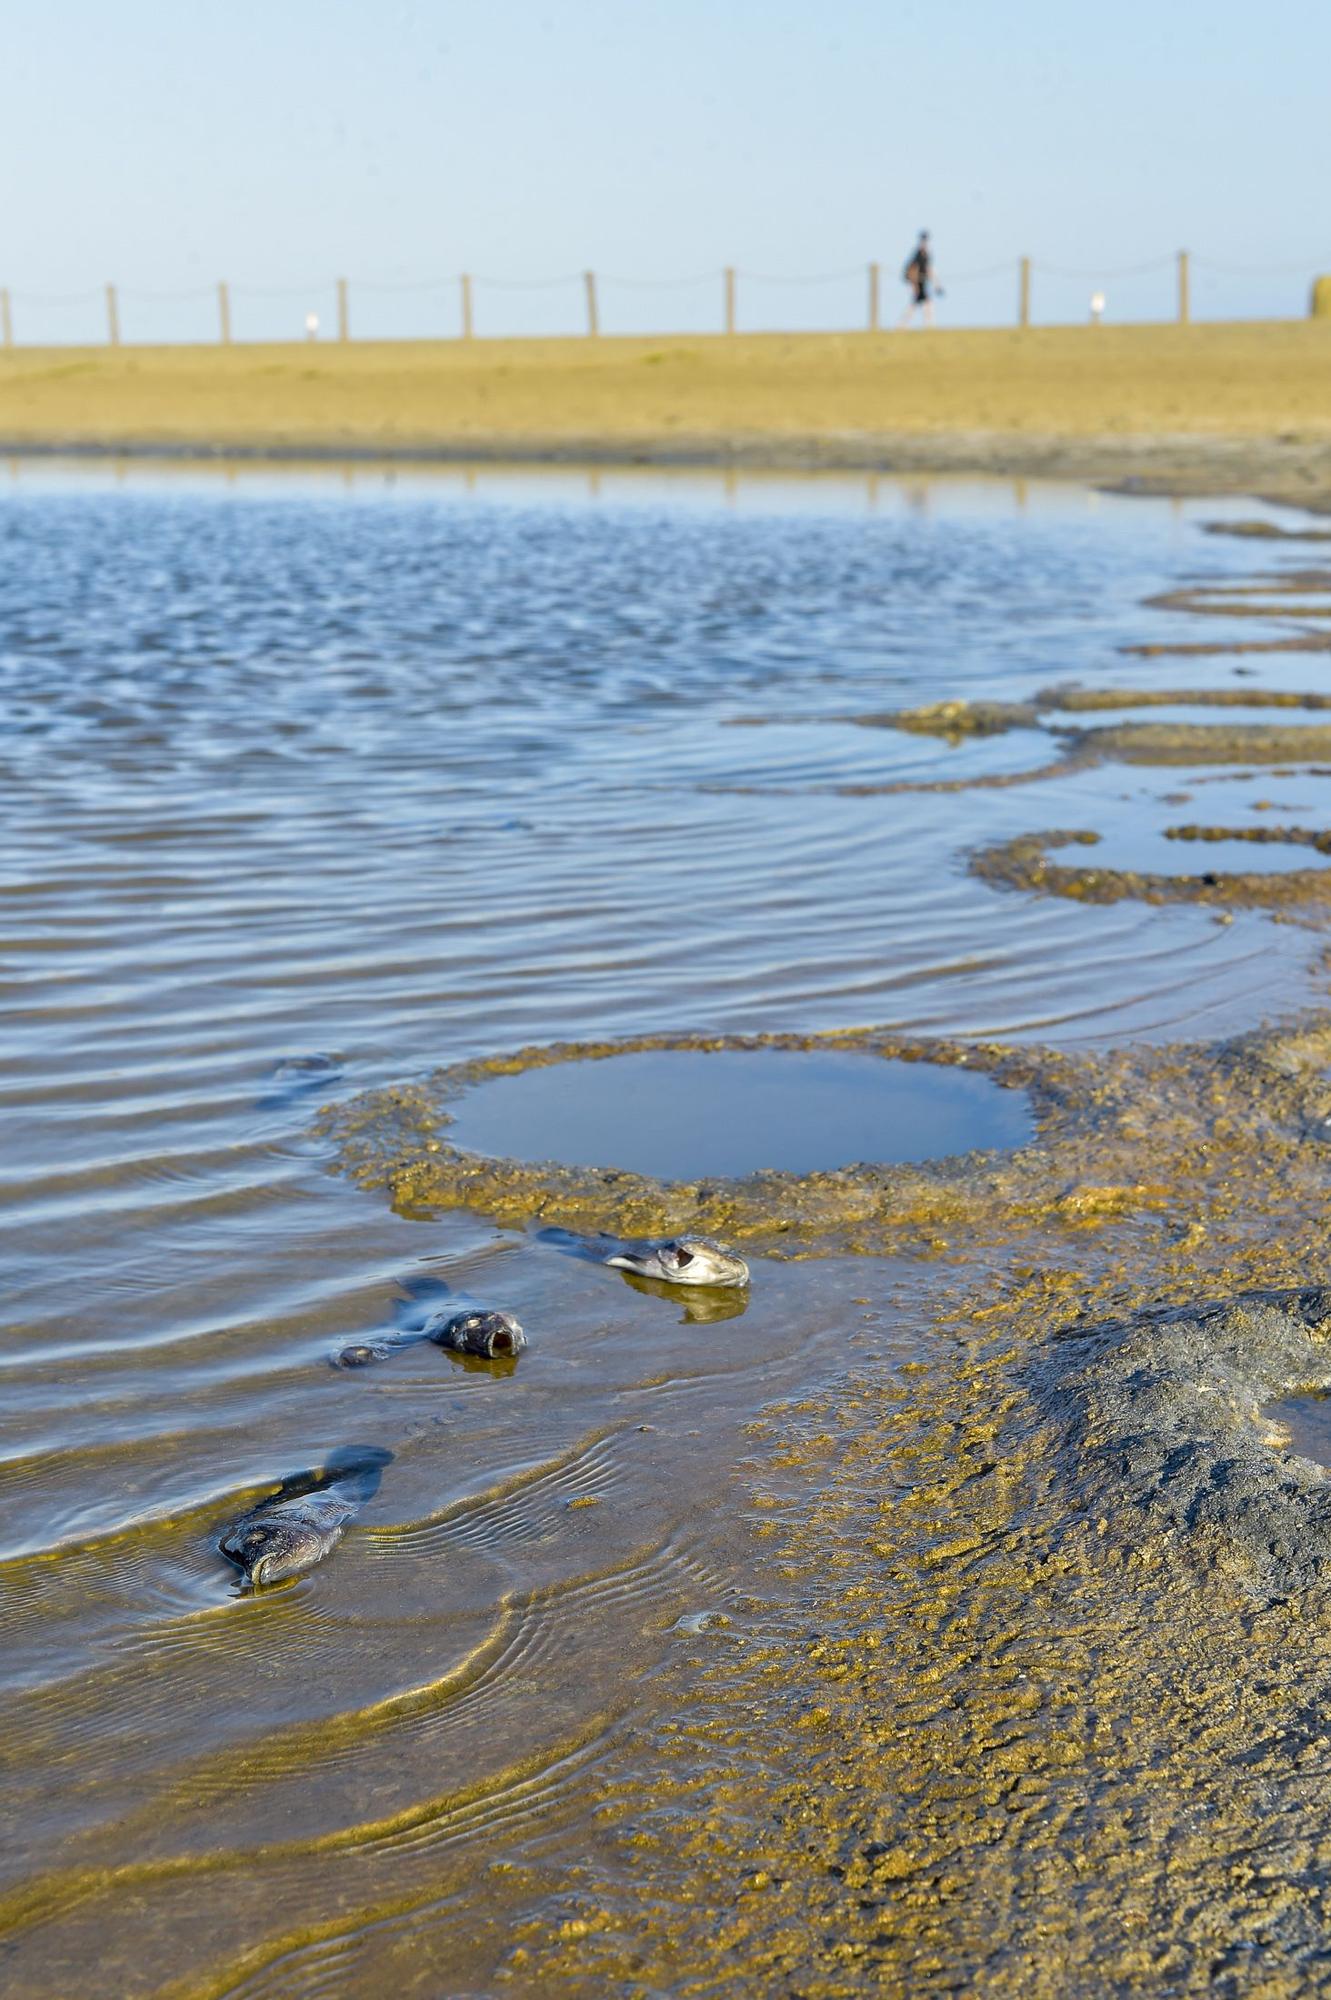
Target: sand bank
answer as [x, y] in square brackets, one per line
[1218, 407]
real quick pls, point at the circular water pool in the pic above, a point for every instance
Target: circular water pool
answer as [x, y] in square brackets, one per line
[686, 1114]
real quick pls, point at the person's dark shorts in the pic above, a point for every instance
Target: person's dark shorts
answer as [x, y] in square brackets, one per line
[921, 292]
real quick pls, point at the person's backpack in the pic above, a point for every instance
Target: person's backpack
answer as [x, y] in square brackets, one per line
[912, 273]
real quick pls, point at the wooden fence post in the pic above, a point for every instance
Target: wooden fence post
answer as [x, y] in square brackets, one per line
[1184, 289]
[875, 286]
[224, 312]
[593, 317]
[730, 298]
[6, 319]
[1024, 294]
[112, 316]
[467, 325]
[343, 311]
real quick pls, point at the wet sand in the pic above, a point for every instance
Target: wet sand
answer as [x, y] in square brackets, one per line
[1212, 408]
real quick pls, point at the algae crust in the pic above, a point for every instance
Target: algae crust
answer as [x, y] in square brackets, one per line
[1023, 863]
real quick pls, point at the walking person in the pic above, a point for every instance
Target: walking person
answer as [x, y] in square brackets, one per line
[919, 275]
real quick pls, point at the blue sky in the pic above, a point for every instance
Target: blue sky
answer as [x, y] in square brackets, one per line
[167, 145]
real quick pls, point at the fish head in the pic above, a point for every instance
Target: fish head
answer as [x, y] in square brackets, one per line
[268, 1549]
[494, 1336]
[685, 1260]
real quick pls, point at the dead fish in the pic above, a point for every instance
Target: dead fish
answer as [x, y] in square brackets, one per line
[487, 1335]
[490, 1335]
[684, 1260]
[304, 1520]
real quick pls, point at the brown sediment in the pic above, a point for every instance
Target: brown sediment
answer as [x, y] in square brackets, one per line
[1023, 863]
[1215, 599]
[1084, 698]
[1211, 649]
[1211, 743]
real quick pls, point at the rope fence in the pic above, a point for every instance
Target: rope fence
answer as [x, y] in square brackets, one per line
[337, 293]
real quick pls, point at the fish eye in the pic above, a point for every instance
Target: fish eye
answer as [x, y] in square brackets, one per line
[683, 1256]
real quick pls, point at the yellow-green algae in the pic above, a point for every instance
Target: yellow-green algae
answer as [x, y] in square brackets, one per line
[1023, 863]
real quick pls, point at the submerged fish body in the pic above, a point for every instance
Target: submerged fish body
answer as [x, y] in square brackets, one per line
[684, 1260]
[489, 1335]
[304, 1520]
[284, 1539]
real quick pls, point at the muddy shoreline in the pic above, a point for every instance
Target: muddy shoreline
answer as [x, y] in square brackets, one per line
[1284, 472]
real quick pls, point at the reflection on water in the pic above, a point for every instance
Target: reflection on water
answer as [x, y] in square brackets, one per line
[702, 1306]
[314, 783]
[677, 1114]
[1303, 1425]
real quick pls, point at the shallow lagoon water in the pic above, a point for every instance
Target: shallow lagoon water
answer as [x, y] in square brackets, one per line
[677, 1114]
[1306, 1421]
[313, 783]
